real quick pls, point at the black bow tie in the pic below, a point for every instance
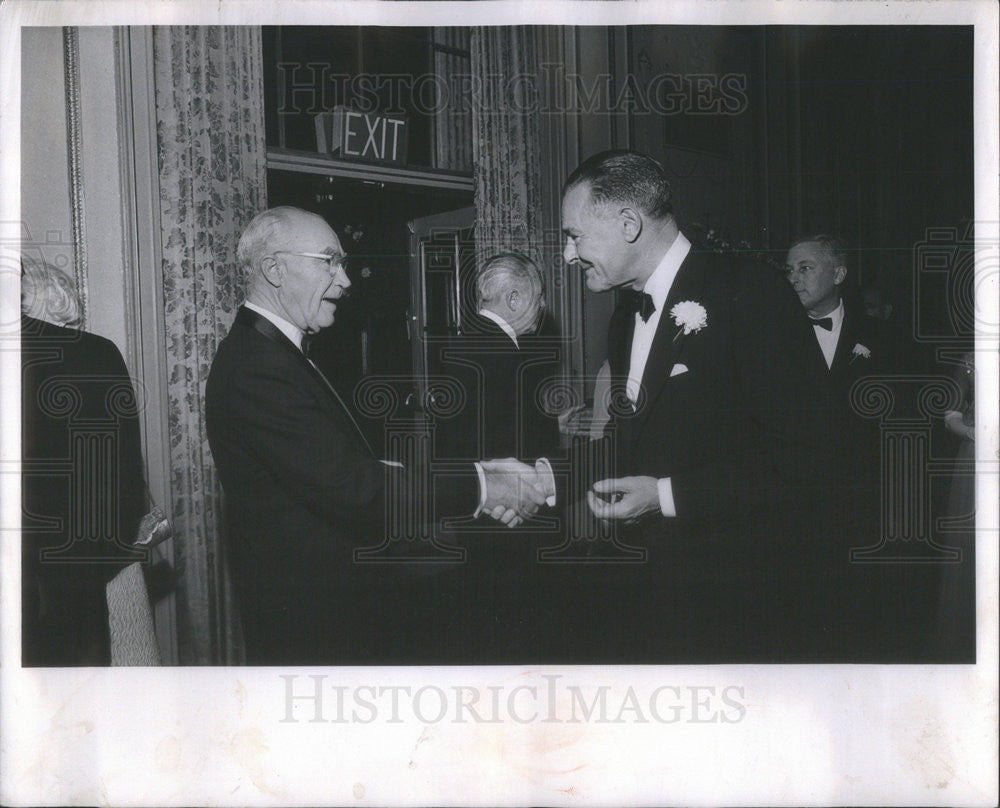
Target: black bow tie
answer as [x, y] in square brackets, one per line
[308, 340]
[641, 303]
[826, 323]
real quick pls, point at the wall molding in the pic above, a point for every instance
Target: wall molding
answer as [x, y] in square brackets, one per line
[143, 256]
[74, 140]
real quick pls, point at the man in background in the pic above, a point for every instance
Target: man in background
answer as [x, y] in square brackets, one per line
[889, 605]
[847, 345]
[504, 374]
[501, 369]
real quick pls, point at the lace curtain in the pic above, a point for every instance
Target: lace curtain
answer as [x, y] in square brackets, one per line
[212, 174]
[505, 142]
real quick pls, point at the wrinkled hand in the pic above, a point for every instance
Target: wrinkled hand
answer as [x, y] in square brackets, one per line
[546, 479]
[513, 492]
[625, 499]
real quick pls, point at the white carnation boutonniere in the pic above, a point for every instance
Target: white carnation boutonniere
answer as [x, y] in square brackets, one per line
[860, 350]
[690, 316]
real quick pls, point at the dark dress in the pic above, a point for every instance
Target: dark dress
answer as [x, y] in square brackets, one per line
[83, 490]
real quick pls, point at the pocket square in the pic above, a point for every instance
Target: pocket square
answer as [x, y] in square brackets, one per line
[678, 369]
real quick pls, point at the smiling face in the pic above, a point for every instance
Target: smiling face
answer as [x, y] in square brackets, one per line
[815, 276]
[309, 287]
[595, 241]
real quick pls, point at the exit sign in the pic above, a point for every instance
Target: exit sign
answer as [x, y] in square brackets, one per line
[362, 135]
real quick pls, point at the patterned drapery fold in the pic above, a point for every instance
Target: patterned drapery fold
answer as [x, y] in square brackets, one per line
[453, 117]
[505, 142]
[212, 174]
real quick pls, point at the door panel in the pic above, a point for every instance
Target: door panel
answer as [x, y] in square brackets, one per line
[442, 274]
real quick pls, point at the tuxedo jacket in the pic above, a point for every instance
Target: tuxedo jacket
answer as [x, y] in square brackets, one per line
[83, 490]
[864, 348]
[859, 335]
[728, 412]
[303, 492]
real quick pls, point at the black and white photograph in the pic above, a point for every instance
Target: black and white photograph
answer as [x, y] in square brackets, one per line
[452, 403]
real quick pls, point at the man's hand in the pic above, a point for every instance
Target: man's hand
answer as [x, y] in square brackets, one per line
[513, 491]
[546, 479]
[625, 499]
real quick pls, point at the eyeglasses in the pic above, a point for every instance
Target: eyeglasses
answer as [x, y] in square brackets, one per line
[334, 261]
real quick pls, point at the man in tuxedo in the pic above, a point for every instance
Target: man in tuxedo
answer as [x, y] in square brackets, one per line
[303, 488]
[711, 471]
[847, 345]
[83, 490]
[890, 604]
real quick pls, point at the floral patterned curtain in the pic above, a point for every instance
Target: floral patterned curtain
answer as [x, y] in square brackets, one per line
[453, 120]
[212, 173]
[505, 142]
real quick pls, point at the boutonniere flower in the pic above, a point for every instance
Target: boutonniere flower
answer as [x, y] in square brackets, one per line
[860, 350]
[690, 316]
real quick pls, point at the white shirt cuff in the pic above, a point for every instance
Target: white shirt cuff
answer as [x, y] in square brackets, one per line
[551, 499]
[666, 491]
[482, 490]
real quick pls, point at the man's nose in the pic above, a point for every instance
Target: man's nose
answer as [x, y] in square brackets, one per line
[569, 252]
[342, 280]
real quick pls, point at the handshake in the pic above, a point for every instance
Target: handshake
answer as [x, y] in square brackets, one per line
[514, 491]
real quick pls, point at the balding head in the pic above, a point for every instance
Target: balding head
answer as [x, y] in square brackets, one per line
[283, 253]
[510, 286]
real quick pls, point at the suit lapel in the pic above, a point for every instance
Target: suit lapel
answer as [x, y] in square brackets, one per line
[267, 329]
[845, 344]
[620, 340]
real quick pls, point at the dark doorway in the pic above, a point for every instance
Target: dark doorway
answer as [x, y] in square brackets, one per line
[372, 333]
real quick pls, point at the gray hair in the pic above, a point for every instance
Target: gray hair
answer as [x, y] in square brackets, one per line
[49, 294]
[262, 236]
[834, 245]
[508, 271]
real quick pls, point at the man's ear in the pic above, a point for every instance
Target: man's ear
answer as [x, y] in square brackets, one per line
[839, 274]
[631, 223]
[513, 300]
[272, 271]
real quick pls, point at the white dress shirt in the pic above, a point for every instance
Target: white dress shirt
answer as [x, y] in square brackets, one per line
[657, 287]
[828, 339]
[293, 332]
[500, 321]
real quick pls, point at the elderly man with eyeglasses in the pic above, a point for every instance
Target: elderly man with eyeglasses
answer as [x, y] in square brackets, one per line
[303, 487]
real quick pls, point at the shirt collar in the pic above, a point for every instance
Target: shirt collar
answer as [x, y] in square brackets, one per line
[658, 284]
[500, 321]
[836, 316]
[293, 332]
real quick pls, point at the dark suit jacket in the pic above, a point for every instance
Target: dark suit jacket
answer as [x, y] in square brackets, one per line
[856, 448]
[888, 608]
[731, 415]
[502, 383]
[725, 412]
[502, 415]
[302, 493]
[83, 490]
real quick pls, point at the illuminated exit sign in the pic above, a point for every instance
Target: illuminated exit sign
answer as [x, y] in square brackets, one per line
[362, 135]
